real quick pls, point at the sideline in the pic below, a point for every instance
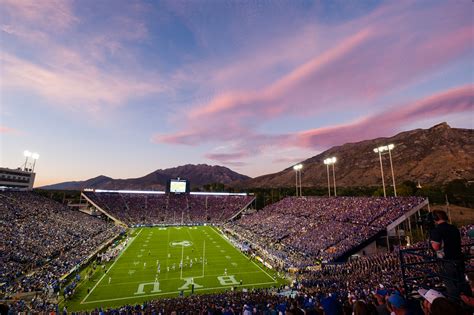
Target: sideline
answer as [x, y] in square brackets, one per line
[124, 250]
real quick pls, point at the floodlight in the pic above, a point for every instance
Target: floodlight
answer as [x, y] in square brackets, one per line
[35, 156]
[297, 169]
[379, 150]
[27, 153]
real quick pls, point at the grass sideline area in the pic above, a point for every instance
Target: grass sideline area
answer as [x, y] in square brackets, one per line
[149, 268]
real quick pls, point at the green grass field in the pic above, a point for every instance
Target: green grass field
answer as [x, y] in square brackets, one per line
[134, 277]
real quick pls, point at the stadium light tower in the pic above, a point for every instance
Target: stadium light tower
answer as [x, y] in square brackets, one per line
[35, 157]
[297, 169]
[379, 150]
[326, 162]
[390, 148]
[331, 161]
[301, 186]
[27, 154]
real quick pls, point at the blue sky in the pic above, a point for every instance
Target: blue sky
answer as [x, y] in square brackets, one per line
[122, 88]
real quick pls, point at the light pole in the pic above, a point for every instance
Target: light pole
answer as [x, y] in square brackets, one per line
[334, 175]
[379, 150]
[27, 154]
[296, 183]
[326, 162]
[331, 161]
[301, 186]
[390, 148]
[297, 169]
[35, 157]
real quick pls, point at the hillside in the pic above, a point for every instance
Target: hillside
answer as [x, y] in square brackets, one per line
[198, 175]
[430, 156]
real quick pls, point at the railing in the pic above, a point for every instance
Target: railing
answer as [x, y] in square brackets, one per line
[425, 266]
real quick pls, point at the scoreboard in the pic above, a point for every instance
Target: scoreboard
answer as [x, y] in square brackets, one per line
[178, 186]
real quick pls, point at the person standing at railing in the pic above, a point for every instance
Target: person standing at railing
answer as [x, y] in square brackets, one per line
[445, 239]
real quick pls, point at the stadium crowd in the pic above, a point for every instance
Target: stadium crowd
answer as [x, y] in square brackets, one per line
[41, 240]
[151, 209]
[41, 235]
[296, 231]
[370, 285]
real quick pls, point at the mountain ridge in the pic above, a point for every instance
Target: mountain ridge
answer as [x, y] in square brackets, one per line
[435, 155]
[197, 174]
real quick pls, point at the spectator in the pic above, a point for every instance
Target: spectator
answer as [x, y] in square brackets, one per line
[397, 305]
[443, 306]
[446, 241]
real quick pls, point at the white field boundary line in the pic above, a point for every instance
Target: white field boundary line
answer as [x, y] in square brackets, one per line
[120, 255]
[274, 280]
[172, 279]
[172, 292]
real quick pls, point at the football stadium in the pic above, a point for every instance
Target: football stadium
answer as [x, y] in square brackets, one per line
[228, 157]
[147, 251]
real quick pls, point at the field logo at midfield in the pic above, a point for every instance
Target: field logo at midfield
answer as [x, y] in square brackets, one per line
[182, 243]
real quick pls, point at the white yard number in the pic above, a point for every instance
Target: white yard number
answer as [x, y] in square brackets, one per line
[227, 280]
[141, 287]
[188, 283]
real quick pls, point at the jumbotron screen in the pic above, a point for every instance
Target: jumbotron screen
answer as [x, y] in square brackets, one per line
[178, 186]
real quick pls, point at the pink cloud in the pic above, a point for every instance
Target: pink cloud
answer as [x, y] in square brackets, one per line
[392, 48]
[227, 157]
[94, 72]
[385, 123]
[8, 130]
[54, 15]
[232, 111]
[72, 82]
[277, 91]
[456, 100]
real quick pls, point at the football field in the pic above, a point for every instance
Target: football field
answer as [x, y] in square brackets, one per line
[150, 267]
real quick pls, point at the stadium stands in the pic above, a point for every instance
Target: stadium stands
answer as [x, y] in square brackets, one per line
[47, 238]
[297, 231]
[150, 209]
[41, 240]
[369, 280]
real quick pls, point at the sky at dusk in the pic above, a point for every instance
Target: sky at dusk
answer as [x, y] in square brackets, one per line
[122, 88]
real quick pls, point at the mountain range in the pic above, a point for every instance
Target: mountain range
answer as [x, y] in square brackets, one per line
[198, 175]
[429, 156]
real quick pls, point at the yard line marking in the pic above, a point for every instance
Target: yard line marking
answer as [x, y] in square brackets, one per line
[172, 292]
[244, 255]
[120, 255]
